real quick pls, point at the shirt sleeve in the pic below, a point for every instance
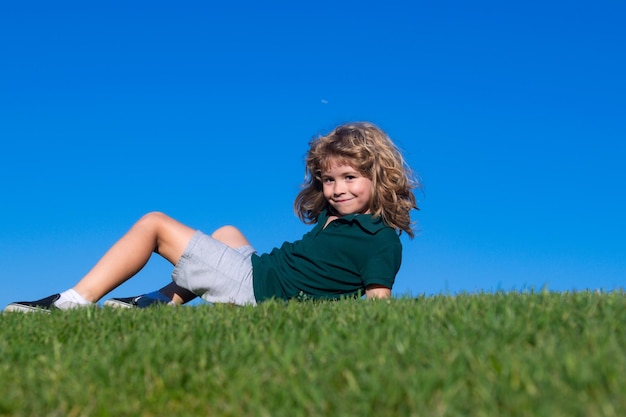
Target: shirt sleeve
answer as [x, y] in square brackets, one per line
[383, 259]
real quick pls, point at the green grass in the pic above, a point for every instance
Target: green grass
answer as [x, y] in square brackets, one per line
[503, 354]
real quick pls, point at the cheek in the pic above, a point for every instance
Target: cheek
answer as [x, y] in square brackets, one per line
[367, 188]
[327, 191]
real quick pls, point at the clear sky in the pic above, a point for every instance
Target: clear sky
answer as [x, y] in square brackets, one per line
[512, 113]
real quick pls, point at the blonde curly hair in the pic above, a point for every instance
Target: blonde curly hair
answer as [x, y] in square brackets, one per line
[369, 150]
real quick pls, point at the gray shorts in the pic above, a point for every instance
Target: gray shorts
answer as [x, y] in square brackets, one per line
[215, 271]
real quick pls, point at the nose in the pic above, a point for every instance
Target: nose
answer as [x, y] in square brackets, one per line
[339, 188]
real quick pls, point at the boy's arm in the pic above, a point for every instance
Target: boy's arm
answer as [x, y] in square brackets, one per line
[377, 291]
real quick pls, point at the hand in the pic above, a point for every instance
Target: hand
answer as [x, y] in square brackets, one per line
[377, 291]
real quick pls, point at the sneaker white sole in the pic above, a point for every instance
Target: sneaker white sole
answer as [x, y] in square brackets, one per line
[18, 308]
[117, 304]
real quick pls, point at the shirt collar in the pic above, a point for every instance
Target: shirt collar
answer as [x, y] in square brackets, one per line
[366, 221]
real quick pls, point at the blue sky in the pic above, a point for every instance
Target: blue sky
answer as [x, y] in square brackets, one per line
[513, 114]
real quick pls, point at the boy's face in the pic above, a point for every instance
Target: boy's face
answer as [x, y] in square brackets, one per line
[346, 189]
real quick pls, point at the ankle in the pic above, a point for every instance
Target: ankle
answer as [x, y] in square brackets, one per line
[86, 294]
[71, 299]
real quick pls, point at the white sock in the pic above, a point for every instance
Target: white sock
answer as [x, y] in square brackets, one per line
[71, 299]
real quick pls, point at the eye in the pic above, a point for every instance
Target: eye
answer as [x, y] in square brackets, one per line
[327, 180]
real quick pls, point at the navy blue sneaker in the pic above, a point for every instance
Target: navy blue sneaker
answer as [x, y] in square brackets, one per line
[140, 301]
[43, 305]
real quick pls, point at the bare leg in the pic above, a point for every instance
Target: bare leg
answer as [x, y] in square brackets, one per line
[154, 232]
[230, 236]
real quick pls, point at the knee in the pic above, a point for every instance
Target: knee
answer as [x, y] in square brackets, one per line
[152, 219]
[231, 236]
[225, 232]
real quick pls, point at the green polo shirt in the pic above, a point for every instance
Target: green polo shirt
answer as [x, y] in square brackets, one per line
[351, 253]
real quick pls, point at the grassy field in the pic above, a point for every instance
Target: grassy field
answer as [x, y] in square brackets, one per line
[503, 354]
